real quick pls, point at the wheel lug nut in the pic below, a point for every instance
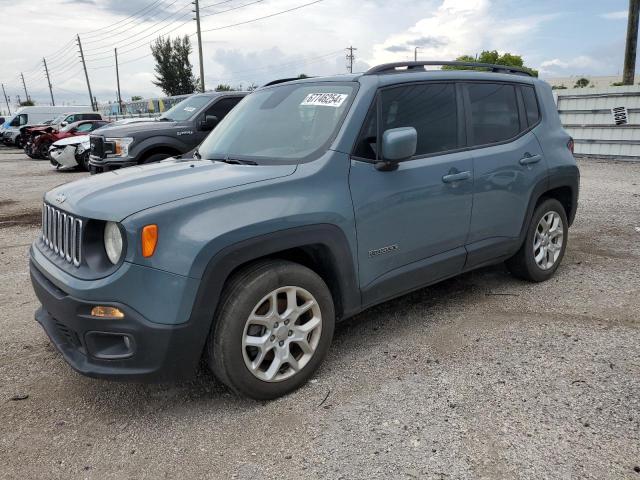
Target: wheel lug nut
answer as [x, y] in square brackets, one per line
[273, 337]
[286, 322]
[281, 343]
[290, 332]
[275, 325]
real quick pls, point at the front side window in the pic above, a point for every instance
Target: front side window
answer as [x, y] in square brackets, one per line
[429, 108]
[222, 107]
[494, 113]
[85, 127]
[288, 122]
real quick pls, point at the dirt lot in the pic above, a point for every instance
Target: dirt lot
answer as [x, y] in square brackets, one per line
[482, 376]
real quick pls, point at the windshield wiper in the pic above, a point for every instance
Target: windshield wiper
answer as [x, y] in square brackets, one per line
[165, 119]
[232, 161]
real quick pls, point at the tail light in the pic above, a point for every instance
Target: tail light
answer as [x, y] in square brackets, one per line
[571, 145]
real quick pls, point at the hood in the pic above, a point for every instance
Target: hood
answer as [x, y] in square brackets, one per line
[127, 130]
[77, 140]
[117, 194]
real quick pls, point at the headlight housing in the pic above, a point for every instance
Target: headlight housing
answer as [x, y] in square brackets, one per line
[120, 146]
[83, 147]
[113, 242]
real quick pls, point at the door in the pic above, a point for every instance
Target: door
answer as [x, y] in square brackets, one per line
[412, 222]
[508, 162]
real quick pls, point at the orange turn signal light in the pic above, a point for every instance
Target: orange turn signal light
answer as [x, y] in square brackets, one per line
[149, 240]
[106, 312]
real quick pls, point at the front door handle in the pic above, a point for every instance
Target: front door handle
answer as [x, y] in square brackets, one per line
[529, 159]
[456, 177]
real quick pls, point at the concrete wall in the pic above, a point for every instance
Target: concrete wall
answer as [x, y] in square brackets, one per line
[586, 114]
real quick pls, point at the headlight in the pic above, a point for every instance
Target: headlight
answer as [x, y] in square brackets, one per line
[113, 242]
[83, 147]
[120, 146]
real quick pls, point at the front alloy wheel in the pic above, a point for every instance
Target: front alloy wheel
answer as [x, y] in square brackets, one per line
[272, 329]
[282, 334]
[548, 240]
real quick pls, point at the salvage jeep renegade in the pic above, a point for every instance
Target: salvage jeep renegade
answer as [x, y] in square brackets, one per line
[310, 202]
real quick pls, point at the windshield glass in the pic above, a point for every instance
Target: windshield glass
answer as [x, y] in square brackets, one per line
[69, 127]
[285, 122]
[186, 108]
[59, 119]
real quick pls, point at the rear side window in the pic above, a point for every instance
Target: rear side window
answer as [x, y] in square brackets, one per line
[530, 105]
[494, 112]
[429, 108]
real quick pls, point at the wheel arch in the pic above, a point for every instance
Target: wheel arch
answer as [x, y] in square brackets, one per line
[323, 248]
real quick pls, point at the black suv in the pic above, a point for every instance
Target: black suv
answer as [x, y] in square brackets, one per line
[177, 131]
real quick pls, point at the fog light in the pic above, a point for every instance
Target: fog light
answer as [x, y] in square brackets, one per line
[107, 312]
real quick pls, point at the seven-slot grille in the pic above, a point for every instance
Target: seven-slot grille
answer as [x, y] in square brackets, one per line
[62, 233]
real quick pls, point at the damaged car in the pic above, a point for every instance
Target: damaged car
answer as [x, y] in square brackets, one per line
[41, 143]
[70, 152]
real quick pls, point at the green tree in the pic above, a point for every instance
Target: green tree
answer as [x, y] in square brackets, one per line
[224, 87]
[303, 75]
[582, 83]
[27, 103]
[493, 57]
[136, 98]
[174, 72]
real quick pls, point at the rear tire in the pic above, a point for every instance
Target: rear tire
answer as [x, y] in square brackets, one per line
[544, 245]
[273, 329]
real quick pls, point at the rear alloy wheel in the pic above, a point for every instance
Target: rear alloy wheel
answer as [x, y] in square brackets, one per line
[272, 330]
[43, 150]
[545, 243]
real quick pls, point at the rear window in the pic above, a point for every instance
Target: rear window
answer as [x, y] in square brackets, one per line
[530, 105]
[494, 113]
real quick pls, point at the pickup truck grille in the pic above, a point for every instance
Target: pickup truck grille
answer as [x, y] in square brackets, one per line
[62, 234]
[97, 146]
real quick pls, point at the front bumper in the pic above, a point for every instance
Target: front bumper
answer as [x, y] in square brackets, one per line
[96, 347]
[97, 165]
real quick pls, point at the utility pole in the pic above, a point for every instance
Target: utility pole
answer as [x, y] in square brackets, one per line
[415, 54]
[197, 19]
[46, 70]
[118, 80]
[86, 75]
[350, 58]
[25, 87]
[6, 99]
[628, 75]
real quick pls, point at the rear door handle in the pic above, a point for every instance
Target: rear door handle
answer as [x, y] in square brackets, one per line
[529, 159]
[456, 177]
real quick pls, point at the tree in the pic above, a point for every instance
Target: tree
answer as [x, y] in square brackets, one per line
[174, 72]
[136, 98]
[558, 87]
[582, 83]
[303, 75]
[224, 87]
[27, 103]
[493, 57]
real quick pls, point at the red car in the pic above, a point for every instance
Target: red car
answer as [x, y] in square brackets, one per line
[41, 143]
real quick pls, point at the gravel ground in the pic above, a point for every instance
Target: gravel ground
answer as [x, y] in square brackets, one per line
[482, 376]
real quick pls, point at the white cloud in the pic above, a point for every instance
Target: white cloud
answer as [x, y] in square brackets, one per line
[619, 15]
[457, 27]
[582, 63]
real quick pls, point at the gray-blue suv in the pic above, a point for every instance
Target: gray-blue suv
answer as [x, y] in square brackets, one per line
[310, 202]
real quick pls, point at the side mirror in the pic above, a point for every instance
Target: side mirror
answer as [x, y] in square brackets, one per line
[397, 144]
[63, 124]
[209, 122]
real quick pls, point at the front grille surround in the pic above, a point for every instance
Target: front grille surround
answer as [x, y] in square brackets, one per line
[62, 234]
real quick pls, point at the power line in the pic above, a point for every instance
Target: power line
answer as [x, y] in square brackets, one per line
[127, 30]
[122, 22]
[230, 9]
[215, 4]
[260, 18]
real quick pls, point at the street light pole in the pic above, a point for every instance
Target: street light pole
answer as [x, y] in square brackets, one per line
[628, 76]
[197, 11]
[415, 54]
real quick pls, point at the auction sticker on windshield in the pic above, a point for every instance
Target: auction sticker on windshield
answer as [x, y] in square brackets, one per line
[325, 99]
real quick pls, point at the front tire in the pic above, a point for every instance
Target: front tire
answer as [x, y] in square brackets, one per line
[543, 249]
[273, 329]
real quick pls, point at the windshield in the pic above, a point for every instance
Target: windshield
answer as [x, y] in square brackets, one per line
[285, 122]
[69, 127]
[186, 108]
[59, 119]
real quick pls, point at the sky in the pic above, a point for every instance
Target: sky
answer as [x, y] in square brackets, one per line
[559, 37]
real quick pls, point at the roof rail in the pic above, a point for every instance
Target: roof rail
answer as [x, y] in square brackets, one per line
[280, 80]
[418, 66]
